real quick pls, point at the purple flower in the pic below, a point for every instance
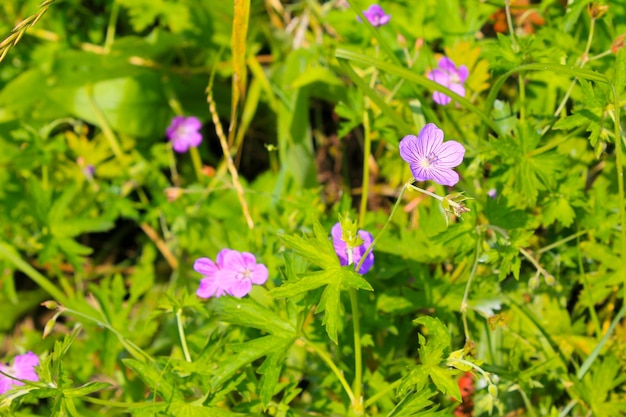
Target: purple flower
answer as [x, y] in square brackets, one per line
[448, 75]
[430, 158]
[344, 251]
[23, 368]
[184, 133]
[376, 16]
[232, 274]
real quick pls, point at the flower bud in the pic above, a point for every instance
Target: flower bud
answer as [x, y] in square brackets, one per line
[596, 10]
[618, 43]
[493, 391]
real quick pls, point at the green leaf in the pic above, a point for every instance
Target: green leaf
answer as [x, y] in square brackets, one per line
[558, 209]
[330, 303]
[247, 312]
[155, 378]
[306, 283]
[446, 382]
[85, 389]
[246, 353]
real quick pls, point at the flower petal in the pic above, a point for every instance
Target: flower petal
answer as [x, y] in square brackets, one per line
[221, 257]
[457, 88]
[446, 64]
[420, 173]
[429, 139]
[462, 73]
[449, 154]
[205, 266]
[24, 367]
[444, 176]
[259, 274]
[409, 151]
[441, 98]
[240, 288]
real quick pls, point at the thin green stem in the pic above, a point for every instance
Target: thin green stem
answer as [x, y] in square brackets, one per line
[393, 211]
[9, 253]
[357, 403]
[367, 150]
[110, 36]
[132, 348]
[536, 264]
[509, 21]
[620, 178]
[372, 400]
[522, 98]
[469, 284]
[560, 242]
[329, 362]
[197, 163]
[181, 334]
[590, 303]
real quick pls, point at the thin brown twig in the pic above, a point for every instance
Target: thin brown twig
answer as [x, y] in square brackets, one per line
[228, 157]
[161, 245]
[21, 28]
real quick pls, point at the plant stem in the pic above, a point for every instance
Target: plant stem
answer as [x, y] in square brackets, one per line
[393, 211]
[329, 362]
[197, 163]
[381, 393]
[181, 334]
[357, 403]
[469, 284]
[367, 150]
[110, 36]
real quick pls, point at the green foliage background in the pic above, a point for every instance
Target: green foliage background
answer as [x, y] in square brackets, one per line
[526, 290]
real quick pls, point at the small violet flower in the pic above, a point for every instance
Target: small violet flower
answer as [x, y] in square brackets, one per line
[376, 16]
[184, 133]
[430, 158]
[352, 255]
[233, 273]
[448, 75]
[23, 368]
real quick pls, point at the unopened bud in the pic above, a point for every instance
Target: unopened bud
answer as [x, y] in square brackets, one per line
[550, 280]
[50, 305]
[173, 193]
[493, 391]
[596, 10]
[401, 41]
[618, 43]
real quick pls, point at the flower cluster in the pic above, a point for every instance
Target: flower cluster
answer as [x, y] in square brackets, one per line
[451, 77]
[23, 368]
[430, 158]
[350, 249]
[184, 133]
[233, 273]
[376, 16]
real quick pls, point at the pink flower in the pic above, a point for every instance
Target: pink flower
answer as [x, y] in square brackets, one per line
[232, 274]
[448, 75]
[243, 271]
[23, 368]
[376, 15]
[430, 158]
[184, 133]
[342, 249]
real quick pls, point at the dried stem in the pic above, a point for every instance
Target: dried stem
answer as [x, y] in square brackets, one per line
[228, 157]
[21, 28]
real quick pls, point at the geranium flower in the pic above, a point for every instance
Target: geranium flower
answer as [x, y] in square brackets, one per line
[215, 282]
[352, 255]
[430, 158]
[376, 16]
[243, 271]
[448, 75]
[23, 368]
[184, 133]
[232, 274]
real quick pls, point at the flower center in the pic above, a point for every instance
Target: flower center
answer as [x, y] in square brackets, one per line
[428, 161]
